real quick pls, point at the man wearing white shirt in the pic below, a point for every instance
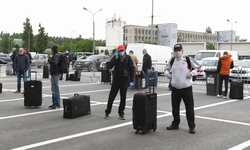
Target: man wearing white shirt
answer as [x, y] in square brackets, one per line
[181, 81]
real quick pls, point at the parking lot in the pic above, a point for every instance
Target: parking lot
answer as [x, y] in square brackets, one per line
[221, 123]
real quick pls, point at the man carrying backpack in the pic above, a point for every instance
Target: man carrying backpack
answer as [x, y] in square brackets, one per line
[181, 76]
[54, 62]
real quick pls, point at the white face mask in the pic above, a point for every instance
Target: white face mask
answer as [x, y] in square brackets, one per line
[121, 53]
[178, 54]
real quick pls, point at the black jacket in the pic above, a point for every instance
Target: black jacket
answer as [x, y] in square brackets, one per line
[21, 63]
[147, 62]
[123, 67]
[54, 64]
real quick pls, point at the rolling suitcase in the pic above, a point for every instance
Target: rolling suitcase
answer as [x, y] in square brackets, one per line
[1, 87]
[236, 89]
[33, 92]
[76, 76]
[145, 112]
[45, 71]
[76, 106]
[105, 76]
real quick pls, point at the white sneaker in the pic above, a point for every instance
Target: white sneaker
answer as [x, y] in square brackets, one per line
[219, 96]
[224, 97]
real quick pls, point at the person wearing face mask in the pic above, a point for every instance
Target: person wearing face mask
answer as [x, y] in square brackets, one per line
[181, 81]
[123, 70]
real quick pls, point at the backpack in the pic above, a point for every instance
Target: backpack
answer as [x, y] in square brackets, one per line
[189, 65]
[63, 64]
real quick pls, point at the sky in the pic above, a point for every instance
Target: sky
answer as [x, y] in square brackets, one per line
[67, 17]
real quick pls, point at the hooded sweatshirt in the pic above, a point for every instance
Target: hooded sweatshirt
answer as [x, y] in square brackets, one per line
[224, 65]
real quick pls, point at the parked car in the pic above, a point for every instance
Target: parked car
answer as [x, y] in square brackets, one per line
[39, 60]
[2, 61]
[91, 63]
[241, 71]
[209, 63]
[5, 57]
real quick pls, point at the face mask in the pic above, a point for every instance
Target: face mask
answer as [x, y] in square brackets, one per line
[121, 53]
[178, 54]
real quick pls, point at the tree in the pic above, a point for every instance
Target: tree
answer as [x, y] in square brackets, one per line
[210, 46]
[208, 30]
[6, 43]
[27, 36]
[41, 40]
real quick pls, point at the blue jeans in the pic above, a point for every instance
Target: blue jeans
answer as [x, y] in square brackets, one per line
[55, 90]
[20, 75]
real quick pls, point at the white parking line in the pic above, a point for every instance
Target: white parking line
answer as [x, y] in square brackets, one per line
[241, 146]
[60, 139]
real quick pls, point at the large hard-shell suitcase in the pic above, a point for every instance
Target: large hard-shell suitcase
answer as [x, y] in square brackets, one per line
[45, 71]
[145, 112]
[1, 86]
[33, 92]
[105, 76]
[236, 89]
[76, 106]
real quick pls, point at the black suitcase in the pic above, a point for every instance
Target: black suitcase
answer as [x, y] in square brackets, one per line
[145, 112]
[105, 76]
[45, 72]
[76, 76]
[33, 92]
[76, 106]
[236, 89]
[1, 87]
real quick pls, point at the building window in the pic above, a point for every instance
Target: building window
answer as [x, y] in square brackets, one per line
[135, 38]
[135, 31]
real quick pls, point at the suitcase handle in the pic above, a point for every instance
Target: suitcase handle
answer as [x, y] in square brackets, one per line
[35, 72]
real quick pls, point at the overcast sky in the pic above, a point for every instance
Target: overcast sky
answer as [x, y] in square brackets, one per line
[67, 18]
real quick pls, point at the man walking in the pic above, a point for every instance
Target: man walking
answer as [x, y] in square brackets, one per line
[180, 73]
[123, 70]
[223, 69]
[55, 72]
[21, 63]
[146, 65]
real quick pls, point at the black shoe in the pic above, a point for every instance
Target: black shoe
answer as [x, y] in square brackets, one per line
[52, 107]
[106, 116]
[172, 127]
[192, 131]
[121, 117]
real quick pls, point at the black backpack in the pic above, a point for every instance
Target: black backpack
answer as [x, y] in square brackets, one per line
[63, 64]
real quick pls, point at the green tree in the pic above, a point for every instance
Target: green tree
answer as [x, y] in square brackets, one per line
[27, 36]
[41, 40]
[6, 43]
[210, 46]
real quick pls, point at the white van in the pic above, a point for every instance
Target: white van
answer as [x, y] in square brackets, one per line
[214, 53]
[159, 54]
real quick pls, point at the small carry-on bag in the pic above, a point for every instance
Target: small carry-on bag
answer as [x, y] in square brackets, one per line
[237, 87]
[105, 76]
[33, 92]
[145, 111]
[76, 106]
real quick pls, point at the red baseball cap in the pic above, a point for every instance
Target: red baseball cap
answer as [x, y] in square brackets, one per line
[121, 48]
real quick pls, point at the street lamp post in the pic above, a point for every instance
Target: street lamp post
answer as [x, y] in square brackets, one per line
[231, 22]
[93, 17]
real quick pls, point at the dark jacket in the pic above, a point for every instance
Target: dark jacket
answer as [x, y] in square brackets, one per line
[123, 67]
[29, 56]
[147, 62]
[54, 64]
[21, 63]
